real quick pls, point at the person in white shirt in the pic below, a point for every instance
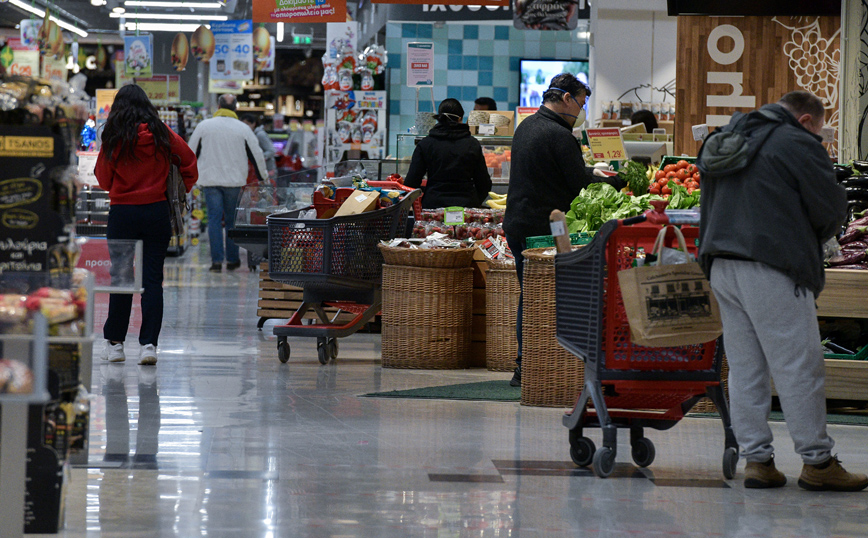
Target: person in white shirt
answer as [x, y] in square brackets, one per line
[223, 146]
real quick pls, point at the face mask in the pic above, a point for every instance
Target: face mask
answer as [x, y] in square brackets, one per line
[580, 119]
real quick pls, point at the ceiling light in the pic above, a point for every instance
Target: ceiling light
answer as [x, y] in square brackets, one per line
[39, 13]
[171, 17]
[97, 2]
[118, 10]
[280, 32]
[157, 3]
[161, 27]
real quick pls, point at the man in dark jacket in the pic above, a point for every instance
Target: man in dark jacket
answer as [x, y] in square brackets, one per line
[769, 202]
[452, 158]
[547, 172]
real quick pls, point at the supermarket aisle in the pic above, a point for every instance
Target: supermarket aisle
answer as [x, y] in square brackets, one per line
[221, 440]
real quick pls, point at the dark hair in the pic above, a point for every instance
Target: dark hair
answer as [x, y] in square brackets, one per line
[644, 116]
[250, 118]
[227, 101]
[487, 102]
[566, 83]
[130, 109]
[448, 110]
[802, 102]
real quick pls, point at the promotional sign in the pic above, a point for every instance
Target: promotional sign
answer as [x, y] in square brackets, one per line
[25, 60]
[233, 50]
[180, 52]
[523, 112]
[104, 100]
[29, 32]
[234, 87]
[420, 64]
[86, 166]
[267, 62]
[54, 68]
[161, 89]
[138, 55]
[550, 14]
[299, 11]
[606, 144]
[355, 122]
[424, 12]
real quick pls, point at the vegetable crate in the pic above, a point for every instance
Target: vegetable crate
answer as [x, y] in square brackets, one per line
[630, 386]
[673, 159]
[337, 263]
[546, 241]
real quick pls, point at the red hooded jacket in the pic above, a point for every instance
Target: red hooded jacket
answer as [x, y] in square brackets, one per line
[143, 181]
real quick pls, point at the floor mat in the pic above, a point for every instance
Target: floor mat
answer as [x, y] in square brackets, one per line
[494, 391]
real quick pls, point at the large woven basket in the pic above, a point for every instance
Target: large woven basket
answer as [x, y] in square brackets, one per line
[443, 258]
[501, 305]
[427, 317]
[705, 405]
[550, 375]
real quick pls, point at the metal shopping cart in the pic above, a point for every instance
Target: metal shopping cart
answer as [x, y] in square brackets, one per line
[337, 263]
[629, 386]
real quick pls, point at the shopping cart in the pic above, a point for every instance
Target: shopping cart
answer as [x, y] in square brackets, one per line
[630, 386]
[337, 263]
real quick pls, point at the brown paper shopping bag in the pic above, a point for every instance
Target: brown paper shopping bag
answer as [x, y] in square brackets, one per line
[669, 305]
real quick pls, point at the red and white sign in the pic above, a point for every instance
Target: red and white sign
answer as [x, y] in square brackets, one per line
[420, 64]
[25, 59]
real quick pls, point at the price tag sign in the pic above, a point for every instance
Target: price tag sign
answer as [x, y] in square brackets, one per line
[233, 50]
[86, 165]
[607, 144]
[453, 215]
[420, 64]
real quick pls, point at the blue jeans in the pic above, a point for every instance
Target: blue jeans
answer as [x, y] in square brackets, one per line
[221, 203]
[517, 246]
[150, 223]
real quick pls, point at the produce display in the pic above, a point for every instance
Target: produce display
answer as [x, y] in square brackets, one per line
[497, 201]
[854, 245]
[854, 179]
[496, 158]
[478, 224]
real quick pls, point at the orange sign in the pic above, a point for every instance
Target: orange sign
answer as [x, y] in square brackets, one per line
[299, 11]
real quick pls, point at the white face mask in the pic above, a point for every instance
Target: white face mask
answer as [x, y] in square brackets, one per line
[580, 119]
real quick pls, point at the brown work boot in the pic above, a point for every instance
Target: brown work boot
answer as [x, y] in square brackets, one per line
[830, 476]
[763, 474]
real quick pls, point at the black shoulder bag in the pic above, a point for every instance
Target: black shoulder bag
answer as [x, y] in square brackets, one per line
[176, 194]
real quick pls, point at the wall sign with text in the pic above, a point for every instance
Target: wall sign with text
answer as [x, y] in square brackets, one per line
[299, 11]
[233, 50]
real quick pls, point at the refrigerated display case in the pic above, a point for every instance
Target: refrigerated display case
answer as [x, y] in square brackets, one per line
[497, 151]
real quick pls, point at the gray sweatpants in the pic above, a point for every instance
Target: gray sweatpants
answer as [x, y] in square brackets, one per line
[770, 329]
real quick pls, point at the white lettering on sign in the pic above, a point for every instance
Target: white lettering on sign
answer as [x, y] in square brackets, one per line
[735, 79]
[430, 8]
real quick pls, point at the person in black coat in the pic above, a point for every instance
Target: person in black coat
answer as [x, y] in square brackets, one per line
[452, 158]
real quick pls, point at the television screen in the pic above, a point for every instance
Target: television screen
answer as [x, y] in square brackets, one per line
[536, 75]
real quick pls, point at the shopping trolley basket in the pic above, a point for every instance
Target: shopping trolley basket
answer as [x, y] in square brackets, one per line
[337, 263]
[630, 386]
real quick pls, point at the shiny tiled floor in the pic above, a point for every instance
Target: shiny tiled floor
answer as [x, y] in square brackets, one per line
[221, 440]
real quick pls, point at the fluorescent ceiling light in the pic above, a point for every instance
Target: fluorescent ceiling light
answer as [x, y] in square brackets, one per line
[280, 32]
[156, 3]
[170, 16]
[39, 13]
[161, 27]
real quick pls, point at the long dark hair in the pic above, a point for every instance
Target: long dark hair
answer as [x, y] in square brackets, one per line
[131, 108]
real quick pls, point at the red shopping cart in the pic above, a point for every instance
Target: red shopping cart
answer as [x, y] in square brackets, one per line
[337, 264]
[627, 385]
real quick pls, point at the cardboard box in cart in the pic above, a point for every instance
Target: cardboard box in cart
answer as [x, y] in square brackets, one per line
[358, 202]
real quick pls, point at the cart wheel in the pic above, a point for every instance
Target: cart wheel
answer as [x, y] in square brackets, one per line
[604, 462]
[730, 460]
[283, 350]
[582, 451]
[332, 346]
[323, 353]
[643, 452]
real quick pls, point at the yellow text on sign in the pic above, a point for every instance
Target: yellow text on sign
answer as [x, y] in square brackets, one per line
[607, 144]
[26, 146]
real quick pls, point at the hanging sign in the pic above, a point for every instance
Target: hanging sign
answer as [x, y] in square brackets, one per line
[161, 89]
[104, 100]
[54, 68]
[24, 59]
[29, 32]
[299, 11]
[202, 44]
[420, 64]
[549, 14]
[180, 52]
[607, 144]
[263, 49]
[233, 50]
[138, 55]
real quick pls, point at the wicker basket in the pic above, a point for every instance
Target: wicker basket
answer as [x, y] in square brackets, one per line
[705, 405]
[442, 258]
[501, 305]
[427, 315]
[550, 375]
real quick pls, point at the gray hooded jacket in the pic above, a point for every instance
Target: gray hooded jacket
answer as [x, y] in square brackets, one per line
[769, 194]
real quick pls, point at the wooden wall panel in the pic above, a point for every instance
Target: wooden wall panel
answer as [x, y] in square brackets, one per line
[781, 54]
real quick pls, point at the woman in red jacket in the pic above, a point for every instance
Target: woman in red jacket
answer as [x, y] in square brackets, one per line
[132, 166]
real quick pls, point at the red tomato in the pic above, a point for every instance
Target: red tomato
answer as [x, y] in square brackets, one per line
[681, 164]
[668, 168]
[696, 176]
[681, 174]
[666, 190]
[659, 175]
[690, 190]
[671, 176]
[654, 190]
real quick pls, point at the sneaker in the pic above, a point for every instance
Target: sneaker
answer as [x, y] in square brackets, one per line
[148, 355]
[216, 267]
[763, 474]
[114, 352]
[830, 476]
[233, 266]
[516, 377]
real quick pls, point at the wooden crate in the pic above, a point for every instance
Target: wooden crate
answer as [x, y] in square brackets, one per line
[280, 301]
[477, 337]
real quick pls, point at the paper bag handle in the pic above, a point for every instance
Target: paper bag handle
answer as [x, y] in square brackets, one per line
[661, 238]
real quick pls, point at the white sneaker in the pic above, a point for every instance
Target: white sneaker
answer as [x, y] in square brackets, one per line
[148, 355]
[114, 352]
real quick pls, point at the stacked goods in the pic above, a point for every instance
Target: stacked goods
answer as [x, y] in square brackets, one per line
[496, 159]
[63, 309]
[478, 224]
[854, 179]
[854, 245]
[497, 201]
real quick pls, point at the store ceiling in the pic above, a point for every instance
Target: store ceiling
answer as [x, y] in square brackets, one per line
[96, 20]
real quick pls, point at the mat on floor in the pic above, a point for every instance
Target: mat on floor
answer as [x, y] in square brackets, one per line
[494, 391]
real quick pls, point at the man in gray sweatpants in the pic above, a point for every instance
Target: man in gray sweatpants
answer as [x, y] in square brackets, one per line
[769, 202]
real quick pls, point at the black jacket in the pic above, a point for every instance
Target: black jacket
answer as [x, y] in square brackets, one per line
[769, 194]
[457, 175]
[546, 172]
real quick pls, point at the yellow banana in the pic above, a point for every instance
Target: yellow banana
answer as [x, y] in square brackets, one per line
[495, 196]
[495, 204]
